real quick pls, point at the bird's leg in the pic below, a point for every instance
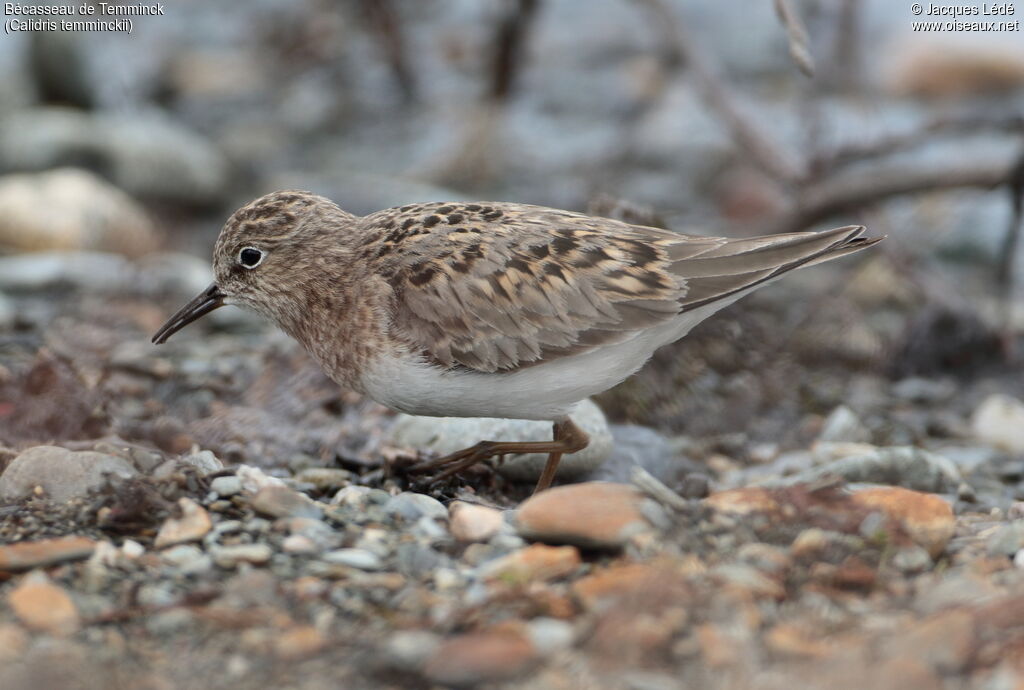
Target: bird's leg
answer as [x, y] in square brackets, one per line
[568, 438]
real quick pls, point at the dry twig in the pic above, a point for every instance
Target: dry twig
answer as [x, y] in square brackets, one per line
[796, 32]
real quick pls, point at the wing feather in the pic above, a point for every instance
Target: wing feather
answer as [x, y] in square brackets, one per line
[495, 287]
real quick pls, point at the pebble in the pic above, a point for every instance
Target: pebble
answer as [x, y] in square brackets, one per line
[1008, 540]
[605, 586]
[591, 515]
[187, 558]
[843, 425]
[911, 559]
[449, 434]
[412, 506]
[418, 560]
[928, 519]
[299, 642]
[906, 466]
[226, 486]
[205, 462]
[43, 606]
[408, 650]
[999, 422]
[13, 642]
[193, 525]
[69, 209]
[360, 496]
[354, 558]
[253, 478]
[469, 522]
[481, 657]
[61, 473]
[280, 501]
[300, 545]
[745, 501]
[232, 555]
[538, 562]
[324, 478]
[550, 635]
[38, 554]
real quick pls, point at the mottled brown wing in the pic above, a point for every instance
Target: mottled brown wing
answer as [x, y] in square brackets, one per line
[495, 286]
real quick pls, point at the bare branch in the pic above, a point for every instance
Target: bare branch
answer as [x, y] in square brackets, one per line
[846, 193]
[751, 141]
[895, 143]
[796, 32]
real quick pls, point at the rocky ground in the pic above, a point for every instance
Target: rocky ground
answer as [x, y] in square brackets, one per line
[215, 513]
[820, 487]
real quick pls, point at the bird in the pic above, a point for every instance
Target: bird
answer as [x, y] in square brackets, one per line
[486, 309]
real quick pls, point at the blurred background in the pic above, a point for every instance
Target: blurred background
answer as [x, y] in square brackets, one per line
[123, 154]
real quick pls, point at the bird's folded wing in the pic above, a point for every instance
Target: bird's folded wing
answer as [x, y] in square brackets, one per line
[512, 285]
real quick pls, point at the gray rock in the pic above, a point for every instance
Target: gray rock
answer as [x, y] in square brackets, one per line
[550, 635]
[144, 153]
[204, 461]
[280, 501]
[449, 434]
[417, 560]
[911, 559]
[843, 426]
[409, 649]
[999, 422]
[640, 446]
[412, 506]
[226, 486]
[8, 314]
[354, 558]
[87, 271]
[1008, 540]
[63, 474]
[921, 390]
[233, 555]
[187, 559]
[905, 466]
[325, 478]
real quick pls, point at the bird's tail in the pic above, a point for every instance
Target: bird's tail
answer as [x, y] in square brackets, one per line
[737, 265]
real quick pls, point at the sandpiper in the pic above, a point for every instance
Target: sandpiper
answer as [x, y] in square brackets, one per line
[486, 309]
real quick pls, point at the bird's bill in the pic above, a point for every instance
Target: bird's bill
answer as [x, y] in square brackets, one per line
[206, 301]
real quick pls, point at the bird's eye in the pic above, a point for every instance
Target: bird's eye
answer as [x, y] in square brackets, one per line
[250, 257]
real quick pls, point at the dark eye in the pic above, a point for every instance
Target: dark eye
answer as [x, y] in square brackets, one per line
[250, 257]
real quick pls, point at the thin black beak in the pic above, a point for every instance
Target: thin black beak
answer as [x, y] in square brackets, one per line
[205, 302]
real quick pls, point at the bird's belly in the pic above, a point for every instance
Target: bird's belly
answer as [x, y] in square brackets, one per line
[544, 391]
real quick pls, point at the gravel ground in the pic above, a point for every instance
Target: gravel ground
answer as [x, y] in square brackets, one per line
[215, 513]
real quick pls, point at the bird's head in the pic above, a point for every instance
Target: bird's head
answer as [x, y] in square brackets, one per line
[271, 255]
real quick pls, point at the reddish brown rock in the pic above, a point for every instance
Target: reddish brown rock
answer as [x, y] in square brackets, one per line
[743, 501]
[481, 657]
[193, 525]
[592, 515]
[37, 554]
[43, 606]
[535, 562]
[789, 640]
[300, 642]
[607, 585]
[926, 518]
[945, 641]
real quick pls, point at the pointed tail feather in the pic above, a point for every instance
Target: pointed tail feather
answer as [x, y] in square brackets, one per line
[737, 265]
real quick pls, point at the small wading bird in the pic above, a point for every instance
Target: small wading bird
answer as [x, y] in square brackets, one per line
[485, 309]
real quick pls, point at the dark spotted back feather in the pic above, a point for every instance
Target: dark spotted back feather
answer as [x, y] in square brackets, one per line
[497, 286]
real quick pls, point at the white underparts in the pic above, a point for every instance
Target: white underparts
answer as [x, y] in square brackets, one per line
[546, 391]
